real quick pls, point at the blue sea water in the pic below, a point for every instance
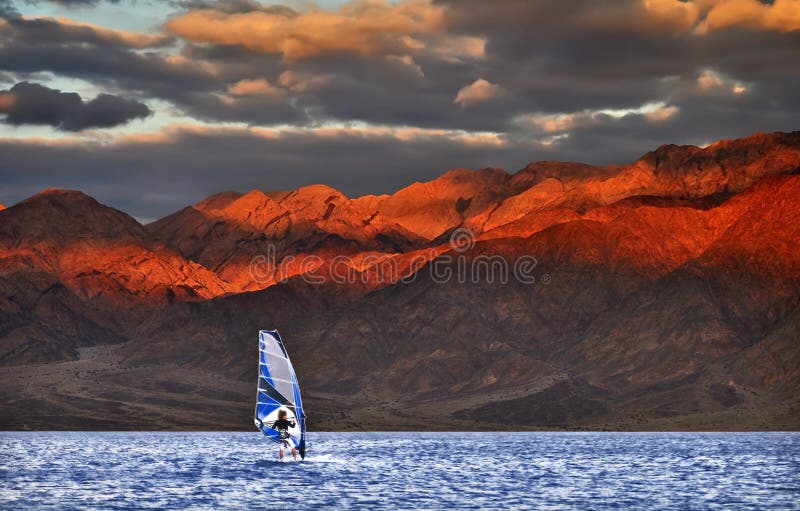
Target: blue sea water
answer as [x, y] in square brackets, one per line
[55, 470]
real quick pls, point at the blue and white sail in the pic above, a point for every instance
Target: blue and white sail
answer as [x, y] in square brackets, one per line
[278, 389]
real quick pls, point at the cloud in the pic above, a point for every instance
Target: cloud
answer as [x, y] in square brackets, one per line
[661, 113]
[233, 6]
[255, 87]
[676, 14]
[477, 92]
[30, 103]
[709, 80]
[365, 28]
[577, 63]
[8, 9]
[65, 30]
[564, 123]
[186, 163]
[704, 16]
[301, 82]
[185, 78]
[76, 3]
[780, 15]
[457, 49]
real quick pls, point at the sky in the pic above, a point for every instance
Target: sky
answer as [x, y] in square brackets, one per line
[150, 106]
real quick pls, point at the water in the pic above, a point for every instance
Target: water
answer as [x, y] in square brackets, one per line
[402, 471]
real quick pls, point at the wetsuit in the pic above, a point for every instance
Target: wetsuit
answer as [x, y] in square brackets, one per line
[282, 426]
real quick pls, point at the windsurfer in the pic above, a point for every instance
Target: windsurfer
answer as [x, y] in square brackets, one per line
[282, 426]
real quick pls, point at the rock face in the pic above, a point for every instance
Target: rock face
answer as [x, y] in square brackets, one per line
[664, 294]
[70, 266]
[225, 232]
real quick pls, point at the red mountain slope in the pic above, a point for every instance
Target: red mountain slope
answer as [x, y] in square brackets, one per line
[97, 252]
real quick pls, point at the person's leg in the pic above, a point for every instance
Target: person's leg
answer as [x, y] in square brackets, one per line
[280, 453]
[294, 453]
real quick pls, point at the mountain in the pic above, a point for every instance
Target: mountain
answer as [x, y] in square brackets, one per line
[662, 294]
[432, 208]
[685, 172]
[224, 232]
[69, 266]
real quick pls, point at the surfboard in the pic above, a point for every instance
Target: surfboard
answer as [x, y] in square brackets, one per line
[278, 389]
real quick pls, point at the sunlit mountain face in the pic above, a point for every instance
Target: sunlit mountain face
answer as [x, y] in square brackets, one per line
[178, 175]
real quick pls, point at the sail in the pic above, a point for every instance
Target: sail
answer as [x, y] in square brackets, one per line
[278, 389]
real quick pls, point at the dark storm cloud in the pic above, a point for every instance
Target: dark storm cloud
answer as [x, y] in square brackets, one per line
[119, 60]
[390, 91]
[50, 31]
[75, 3]
[567, 56]
[7, 8]
[233, 6]
[547, 56]
[31, 103]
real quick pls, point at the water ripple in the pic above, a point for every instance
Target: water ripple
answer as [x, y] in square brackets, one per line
[401, 471]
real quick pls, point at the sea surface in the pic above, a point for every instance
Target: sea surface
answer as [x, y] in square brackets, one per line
[56, 470]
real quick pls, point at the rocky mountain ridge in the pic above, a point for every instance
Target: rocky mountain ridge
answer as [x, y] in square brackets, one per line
[665, 294]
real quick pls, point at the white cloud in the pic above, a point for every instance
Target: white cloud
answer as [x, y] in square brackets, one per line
[709, 80]
[564, 122]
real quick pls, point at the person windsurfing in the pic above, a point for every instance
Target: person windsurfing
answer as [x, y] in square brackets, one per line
[282, 426]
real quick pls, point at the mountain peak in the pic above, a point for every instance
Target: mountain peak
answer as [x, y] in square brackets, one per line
[253, 208]
[775, 147]
[64, 193]
[318, 190]
[217, 201]
[63, 216]
[538, 171]
[760, 138]
[312, 202]
[468, 176]
[251, 199]
[61, 199]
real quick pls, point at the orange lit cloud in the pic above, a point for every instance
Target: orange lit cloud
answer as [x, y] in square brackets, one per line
[705, 16]
[478, 91]
[7, 101]
[782, 15]
[678, 14]
[255, 87]
[374, 27]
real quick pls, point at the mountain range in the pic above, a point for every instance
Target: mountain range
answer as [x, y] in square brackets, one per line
[661, 294]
